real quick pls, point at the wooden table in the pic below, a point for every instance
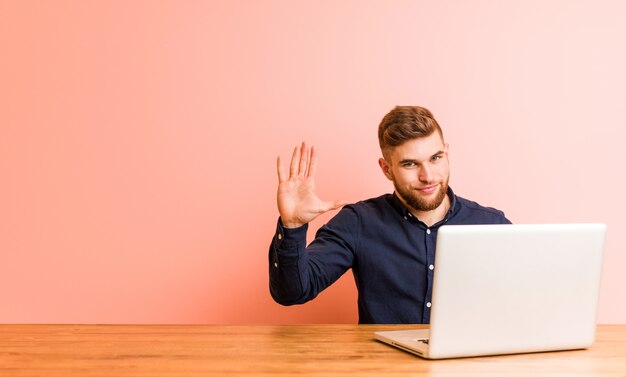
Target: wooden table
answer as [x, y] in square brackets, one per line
[308, 350]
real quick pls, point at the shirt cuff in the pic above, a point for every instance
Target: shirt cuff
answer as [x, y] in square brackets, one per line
[289, 238]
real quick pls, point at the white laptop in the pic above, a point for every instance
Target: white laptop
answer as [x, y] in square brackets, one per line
[502, 289]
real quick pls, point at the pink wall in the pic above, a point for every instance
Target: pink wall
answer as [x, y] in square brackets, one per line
[138, 139]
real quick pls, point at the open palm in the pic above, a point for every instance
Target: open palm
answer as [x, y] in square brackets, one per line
[298, 204]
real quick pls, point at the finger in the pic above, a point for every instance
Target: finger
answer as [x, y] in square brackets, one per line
[312, 163]
[304, 159]
[293, 169]
[308, 164]
[279, 170]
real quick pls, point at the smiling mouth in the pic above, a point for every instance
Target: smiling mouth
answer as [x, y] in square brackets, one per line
[428, 189]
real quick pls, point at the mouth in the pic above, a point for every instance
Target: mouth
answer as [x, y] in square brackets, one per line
[428, 189]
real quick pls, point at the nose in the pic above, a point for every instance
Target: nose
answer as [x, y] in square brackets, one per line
[424, 175]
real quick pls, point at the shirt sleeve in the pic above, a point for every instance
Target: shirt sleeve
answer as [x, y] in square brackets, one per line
[299, 273]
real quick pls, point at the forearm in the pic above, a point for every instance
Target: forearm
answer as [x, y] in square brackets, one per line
[298, 273]
[287, 253]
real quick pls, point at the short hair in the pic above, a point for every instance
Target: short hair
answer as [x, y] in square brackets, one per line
[405, 123]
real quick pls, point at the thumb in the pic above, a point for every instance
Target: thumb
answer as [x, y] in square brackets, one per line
[329, 206]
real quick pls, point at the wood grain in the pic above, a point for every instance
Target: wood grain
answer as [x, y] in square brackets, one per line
[264, 350]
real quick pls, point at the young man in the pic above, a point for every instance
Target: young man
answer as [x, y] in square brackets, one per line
[388, 241]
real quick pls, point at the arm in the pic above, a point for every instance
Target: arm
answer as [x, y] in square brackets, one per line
[298, 275]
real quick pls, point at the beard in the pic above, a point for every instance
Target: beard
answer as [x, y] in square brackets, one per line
[418, 203]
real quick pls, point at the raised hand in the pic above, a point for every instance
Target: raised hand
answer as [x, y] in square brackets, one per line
[297, 202]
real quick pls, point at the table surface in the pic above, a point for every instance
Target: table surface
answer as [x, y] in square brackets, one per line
[307, 350]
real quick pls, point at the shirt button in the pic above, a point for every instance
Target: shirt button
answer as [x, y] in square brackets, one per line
[406, 218]
[431, 267]
[275, 264]
[428, 304]
[280, 236]
[427, 231]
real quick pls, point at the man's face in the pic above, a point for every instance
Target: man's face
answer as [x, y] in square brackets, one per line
[419, 170]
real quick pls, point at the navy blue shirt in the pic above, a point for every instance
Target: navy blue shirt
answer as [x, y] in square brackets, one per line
[391, 253]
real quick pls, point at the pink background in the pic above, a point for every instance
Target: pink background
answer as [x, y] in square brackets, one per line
[138, 138]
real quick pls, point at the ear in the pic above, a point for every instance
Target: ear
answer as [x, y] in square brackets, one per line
[384, 166]
[446, 148]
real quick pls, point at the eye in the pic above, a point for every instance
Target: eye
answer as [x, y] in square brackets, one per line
[408, 164]
[436, 158]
